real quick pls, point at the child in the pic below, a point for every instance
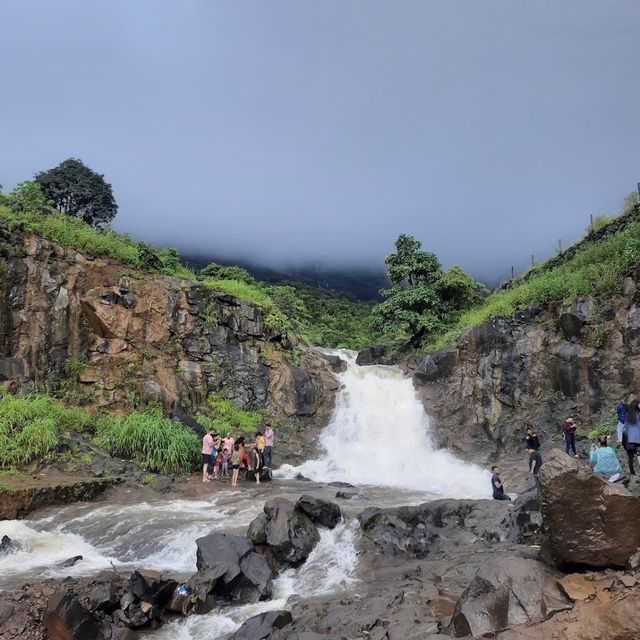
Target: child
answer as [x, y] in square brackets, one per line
[225, 462]
[257, 463]
[236, 458]
[217, 463]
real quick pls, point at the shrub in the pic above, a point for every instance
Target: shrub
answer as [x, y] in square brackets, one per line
[224, 416]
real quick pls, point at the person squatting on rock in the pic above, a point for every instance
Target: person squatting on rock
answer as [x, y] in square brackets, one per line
[631, 432]
[533, 442]
[620, 412]
[569, 432]
[497, 485]
[604, 459]
[535, 460]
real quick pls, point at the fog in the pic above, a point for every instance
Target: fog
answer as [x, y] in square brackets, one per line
[316, 132]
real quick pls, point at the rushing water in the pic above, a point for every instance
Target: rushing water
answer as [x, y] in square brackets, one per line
[378, 439]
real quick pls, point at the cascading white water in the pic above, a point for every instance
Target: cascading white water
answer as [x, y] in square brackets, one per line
[379, 435]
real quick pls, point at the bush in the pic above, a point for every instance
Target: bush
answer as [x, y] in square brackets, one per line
[226, 418]
[606, 429]
[153, 441]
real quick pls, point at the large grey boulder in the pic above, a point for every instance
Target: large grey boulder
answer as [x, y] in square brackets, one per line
[323, 512]
[262, 625]
[588, 521]
[507, 591]
[66, 619]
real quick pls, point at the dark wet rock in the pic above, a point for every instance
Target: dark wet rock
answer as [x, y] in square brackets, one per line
[257, 531]
[341, 485]
[262, 625]
[265, 475]
[151, 587]
[426, 369]
[291, 535]
[180, 415]
[66, 619]
[375, 354]
[588, 521]
[336, 363]
[137, 617]
[528, 517]
[323, 512]
[347, 495]
[162, 484]
[105, 598]
[7, 546]
[573, 317]
[69, 562]
[507, 591]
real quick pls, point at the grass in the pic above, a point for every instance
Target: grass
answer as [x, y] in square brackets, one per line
[597, 269]
[77, 234]
[228, 419]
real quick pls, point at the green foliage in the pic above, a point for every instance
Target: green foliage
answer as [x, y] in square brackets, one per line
[599, 222]
[596, 269]
[153, 441]
[76, 190]
[251, 293]
[217, 271]
[422, 298]
[226, 418]
[27, 197]
[30, 426]
[604, 429]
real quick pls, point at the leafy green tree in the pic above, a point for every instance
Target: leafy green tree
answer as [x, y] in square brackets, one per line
[461, 291]
[76, 190]
[27, 197]
[223, 272]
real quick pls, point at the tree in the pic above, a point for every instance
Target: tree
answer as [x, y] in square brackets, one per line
[223, 272]
[76, 190]
[27, 197]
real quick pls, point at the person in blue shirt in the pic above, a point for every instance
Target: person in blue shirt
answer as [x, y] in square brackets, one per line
[603, 458]
[620, 411]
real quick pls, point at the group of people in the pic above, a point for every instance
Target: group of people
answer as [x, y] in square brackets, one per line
[602, 457]
[223, 454]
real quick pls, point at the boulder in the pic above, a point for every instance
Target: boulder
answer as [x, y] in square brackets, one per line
[347, 495]
[105, 598]
[375, 354]
[261, 626]
[573, 318]
[588, 521]
[66, 619]
[291, 535]
[336, 363]
[149, 586]
[69, 562]
[257, 531]
[507, 591]
[7, 546]
[265, 475]
[323, 512]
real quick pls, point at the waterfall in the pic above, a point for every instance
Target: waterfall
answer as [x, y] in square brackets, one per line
[379, 435]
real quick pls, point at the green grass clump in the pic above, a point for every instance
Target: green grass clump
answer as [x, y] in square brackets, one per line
[30, 427]
[153, 441]
[228, 419]
[597, 269]
[251, 293]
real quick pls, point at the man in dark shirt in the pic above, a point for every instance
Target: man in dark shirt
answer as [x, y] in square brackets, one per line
[535, 460]
[497, 485]
[533, 442]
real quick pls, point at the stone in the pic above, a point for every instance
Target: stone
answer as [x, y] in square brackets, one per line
[257, 531]
[66, 619]
[347, 495]
[573, 317]
[375, 354]
[69, 562]
[150, 587]
[261, 626]
[427, 369]
[7, 609]
[105, 598]
[506, 591]
[588, 521]
[323, 512]
[576, 587]
[336, 363]
[291, 535]
[7, 546]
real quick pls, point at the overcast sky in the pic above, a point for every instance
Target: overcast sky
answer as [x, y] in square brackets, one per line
[294, 131]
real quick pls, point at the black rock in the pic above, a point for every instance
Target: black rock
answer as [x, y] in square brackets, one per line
[262, 625]
[66, 619]
[152, 588]
[347, 495]
[321, 511]
[257, 531]
[181, 416]
[341, 485]
[7, 546]
[265, 475]
[336, 363]
[69, 562]
[375, 354]
[105, 598]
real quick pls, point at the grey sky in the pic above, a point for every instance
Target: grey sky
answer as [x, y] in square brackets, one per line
[318, 130]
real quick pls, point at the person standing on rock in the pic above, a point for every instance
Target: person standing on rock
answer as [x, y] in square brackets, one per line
[228, 443]
[497, 485]
[269, 437]
[533, 442]
[236, 458]
[604, 459]
[535, 460]
[569, 430]
[207, 448]
[620, 411]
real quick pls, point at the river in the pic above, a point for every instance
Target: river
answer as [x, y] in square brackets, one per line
[378, 440]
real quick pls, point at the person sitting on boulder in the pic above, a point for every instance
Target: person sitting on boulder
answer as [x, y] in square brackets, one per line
[533, 442]
[603, 458]
[497, 485]
[620, 412]
[535, 460]
[569, 431]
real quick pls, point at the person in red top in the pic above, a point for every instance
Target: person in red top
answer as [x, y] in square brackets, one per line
[207, 448]
[569, 431]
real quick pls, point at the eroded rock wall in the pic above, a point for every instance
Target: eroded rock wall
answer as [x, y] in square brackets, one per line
[536, 368]
[109, 336]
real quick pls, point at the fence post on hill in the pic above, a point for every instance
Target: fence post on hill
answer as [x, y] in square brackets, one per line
[512, 272]
[559, 245]
[591, 223]
[532, 257]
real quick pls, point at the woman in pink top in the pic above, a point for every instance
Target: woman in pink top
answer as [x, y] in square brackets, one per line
[268, 445]
[207, 448]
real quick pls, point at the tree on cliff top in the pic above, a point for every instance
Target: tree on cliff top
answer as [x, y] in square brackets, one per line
[76, 190]
[423, 299]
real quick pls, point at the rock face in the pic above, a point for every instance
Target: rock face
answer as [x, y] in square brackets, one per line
[136, 336]
[506, 592]
[535, 368]
[608, 514]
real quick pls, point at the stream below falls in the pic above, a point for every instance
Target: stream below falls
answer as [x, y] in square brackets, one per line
[377, 440]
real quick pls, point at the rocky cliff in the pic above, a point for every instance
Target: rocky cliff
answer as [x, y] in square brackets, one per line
[535, 368]
[108, 336]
